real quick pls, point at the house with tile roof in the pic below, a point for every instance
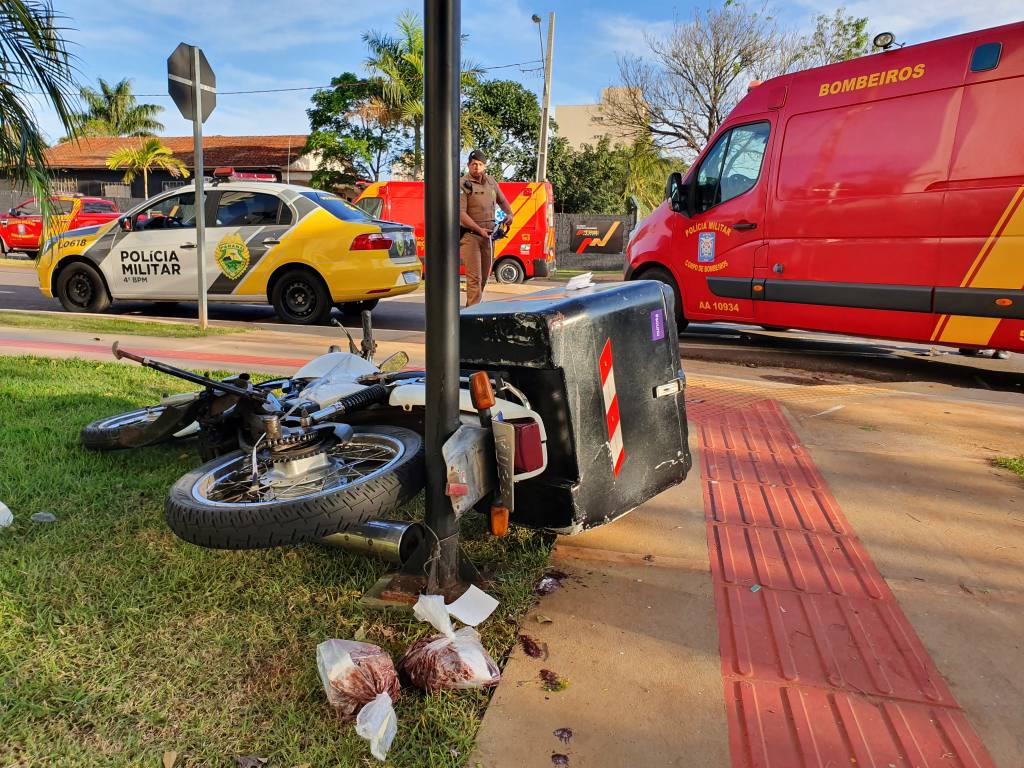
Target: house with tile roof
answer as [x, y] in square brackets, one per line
[81, 166]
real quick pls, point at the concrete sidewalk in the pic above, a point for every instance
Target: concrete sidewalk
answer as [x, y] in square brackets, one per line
[257, 350]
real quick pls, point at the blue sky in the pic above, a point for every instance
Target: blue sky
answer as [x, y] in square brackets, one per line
[261, 44]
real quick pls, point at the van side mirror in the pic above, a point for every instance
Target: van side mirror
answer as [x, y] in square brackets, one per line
[679, 194]
[12, 212]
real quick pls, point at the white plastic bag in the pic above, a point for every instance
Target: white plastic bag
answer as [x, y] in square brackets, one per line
[361, 678]
[378, 723]
[450, 660]
[6, 517]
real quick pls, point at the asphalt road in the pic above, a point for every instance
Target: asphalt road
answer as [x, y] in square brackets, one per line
[814, 357]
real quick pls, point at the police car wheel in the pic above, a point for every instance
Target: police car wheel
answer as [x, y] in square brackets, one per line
[355, 308]
[80, 289]
[224, 505]
[509, 271]
[300, 297]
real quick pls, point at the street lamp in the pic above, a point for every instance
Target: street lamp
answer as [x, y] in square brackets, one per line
[542, 140]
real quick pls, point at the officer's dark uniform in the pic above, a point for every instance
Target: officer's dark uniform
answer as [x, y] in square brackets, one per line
[477, 199]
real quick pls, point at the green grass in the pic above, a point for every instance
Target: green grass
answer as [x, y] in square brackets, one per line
[1012, 463]
[119, 642]
[108, 325]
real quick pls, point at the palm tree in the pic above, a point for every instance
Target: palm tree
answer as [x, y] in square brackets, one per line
[150, 154]
[113, 111]
[397, 64]
[646, 171]
[35, 58]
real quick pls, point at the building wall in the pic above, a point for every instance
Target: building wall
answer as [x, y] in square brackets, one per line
[581, 123]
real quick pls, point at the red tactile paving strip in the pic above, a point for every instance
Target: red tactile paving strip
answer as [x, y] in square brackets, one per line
[821, 668]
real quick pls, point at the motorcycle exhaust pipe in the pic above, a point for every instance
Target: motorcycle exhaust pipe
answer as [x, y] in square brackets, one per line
[391, 540]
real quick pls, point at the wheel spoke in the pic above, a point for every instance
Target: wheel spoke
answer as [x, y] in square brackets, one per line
[348, 463]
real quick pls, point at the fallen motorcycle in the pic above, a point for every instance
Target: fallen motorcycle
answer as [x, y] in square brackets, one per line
[309, 456]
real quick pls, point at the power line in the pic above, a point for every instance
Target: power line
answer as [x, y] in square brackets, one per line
[331, 87]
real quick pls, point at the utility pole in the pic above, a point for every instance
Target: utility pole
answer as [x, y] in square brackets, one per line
[542, 142]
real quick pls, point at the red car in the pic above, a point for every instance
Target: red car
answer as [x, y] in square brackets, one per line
[22, 228]
[882, 196]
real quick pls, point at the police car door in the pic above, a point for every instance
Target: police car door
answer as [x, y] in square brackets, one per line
[727, 226]
[156, 259]
[245, 225]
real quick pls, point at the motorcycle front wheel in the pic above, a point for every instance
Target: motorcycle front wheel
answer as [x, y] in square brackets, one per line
[135, 429]
[225, 504]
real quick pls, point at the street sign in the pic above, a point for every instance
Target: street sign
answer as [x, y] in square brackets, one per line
[193, 86]
[180, 82]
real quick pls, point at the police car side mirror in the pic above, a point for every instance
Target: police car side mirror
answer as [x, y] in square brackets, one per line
[126, 224]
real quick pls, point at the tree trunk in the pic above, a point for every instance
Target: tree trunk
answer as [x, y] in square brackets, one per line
[145, 183]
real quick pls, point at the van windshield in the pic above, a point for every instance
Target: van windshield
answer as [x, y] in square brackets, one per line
[341, 209]
[372, 206]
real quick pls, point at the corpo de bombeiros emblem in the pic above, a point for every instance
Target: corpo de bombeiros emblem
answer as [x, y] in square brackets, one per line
[232, 256]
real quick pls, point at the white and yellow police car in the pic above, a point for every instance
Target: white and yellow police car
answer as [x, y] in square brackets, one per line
[300, 249]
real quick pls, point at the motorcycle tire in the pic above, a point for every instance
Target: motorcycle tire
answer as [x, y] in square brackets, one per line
[132, 429]
[208, 507]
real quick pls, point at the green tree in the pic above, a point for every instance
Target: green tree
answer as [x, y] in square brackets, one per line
[352, 143]
[114, 111]
[144, 158]
[591, 179]
[35, 58]
[646, 173]
[835, 38]
[397, 64]
[505, 118]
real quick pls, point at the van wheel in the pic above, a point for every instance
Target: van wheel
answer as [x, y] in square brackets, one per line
[300, 297]
[509, 271]
[663, 276]
[80, 289]
[356, 308]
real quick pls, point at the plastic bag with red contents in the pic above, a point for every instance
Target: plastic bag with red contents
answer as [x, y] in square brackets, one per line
[450, 660]
[361, 684]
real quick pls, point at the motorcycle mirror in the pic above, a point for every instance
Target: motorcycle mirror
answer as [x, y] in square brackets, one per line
[394, 363]
[352, 348]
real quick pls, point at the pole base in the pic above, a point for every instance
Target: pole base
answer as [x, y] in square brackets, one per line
[423, 574]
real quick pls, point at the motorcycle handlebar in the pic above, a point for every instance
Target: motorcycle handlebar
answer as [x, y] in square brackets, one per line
[194, 378]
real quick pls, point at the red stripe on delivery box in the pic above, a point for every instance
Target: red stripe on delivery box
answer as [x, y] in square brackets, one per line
[611, 407]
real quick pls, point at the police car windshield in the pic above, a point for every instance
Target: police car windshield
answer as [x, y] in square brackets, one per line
[340, 208]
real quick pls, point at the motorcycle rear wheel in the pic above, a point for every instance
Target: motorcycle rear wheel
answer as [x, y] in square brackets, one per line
[220, 507]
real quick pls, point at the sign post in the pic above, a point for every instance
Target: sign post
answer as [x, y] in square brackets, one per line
[193, 86]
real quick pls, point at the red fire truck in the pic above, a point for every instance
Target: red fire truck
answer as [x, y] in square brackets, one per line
[882, 196]
[21, 229]
[529, 249]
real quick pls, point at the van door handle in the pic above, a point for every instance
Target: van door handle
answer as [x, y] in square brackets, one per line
[271, 241]
[187, 245]
[743, 225]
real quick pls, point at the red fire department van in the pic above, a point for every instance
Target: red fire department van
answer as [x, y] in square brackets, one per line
[529, 249]
[882, 196]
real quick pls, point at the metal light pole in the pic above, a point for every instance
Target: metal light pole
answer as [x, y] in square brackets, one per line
[542, 142]
[442, 24]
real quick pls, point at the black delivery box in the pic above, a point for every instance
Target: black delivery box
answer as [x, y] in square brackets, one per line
[601, 366]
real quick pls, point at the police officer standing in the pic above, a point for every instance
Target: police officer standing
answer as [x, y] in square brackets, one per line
[478, 194]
